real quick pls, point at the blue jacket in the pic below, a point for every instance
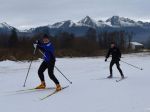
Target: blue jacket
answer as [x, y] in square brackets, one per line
[48, 50]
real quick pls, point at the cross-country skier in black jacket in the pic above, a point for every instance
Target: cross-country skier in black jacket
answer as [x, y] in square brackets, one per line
[116, 55]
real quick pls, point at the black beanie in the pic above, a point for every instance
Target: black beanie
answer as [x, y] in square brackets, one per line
[45, 36]
[112, 43]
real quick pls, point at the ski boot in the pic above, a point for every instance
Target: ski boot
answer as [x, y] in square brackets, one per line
[41, 86]
[122, 76]
[58, 87]
[109, 77]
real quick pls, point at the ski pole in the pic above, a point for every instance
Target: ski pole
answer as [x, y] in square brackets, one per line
[58, 69]
[27, 73]
[132, 65]
[29, 68]
[63, 75]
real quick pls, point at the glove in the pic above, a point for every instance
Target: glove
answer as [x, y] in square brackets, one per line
[37, 42]
[105, 59]
[35, 45]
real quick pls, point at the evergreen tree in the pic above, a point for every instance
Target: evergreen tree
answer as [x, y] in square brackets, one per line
[91, 34]
[13, 40]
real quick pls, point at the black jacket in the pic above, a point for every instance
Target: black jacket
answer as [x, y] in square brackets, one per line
[115, 52]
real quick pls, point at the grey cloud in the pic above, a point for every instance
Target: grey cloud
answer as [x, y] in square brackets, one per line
[41, 12]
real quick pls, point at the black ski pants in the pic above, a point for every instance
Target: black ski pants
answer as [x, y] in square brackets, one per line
[50, 67]
[118, 66]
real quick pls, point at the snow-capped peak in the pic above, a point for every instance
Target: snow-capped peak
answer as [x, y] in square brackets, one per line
[88, 21]
[146, 24]
[63, 24]
[121, 21]
[5, 25]
[101, 23]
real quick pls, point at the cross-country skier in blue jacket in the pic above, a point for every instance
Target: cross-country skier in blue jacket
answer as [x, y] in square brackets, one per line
[47, 49]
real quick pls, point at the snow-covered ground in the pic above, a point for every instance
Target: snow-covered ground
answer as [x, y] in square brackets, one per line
[90, 91]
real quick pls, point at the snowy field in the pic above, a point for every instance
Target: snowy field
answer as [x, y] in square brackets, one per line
[90, 91]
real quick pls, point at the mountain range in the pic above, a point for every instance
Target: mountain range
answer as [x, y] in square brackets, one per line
[140, 29]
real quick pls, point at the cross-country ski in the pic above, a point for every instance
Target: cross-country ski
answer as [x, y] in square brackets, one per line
[121, 79]
[31, 89]
[53, 93]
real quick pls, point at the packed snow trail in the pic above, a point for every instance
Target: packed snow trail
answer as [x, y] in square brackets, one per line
[86, 94]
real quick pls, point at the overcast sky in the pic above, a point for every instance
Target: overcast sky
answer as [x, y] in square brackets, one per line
[30, 13]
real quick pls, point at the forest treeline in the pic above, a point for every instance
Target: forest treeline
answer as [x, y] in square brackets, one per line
[16, 47]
